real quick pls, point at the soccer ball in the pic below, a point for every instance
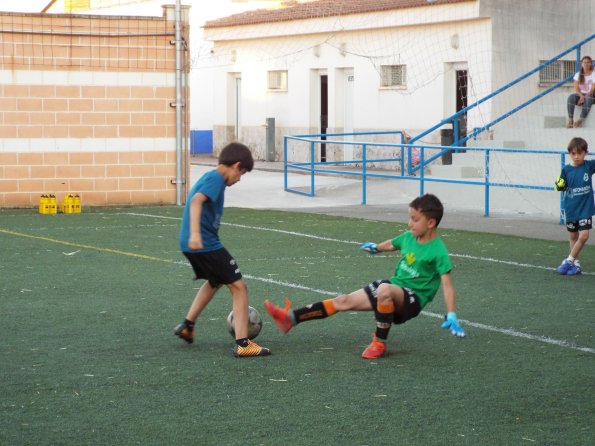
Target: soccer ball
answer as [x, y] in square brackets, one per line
[254, 323]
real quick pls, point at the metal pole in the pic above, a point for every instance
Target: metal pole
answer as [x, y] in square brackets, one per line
[179, 163]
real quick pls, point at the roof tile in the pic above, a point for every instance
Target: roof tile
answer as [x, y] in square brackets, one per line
[309, 9]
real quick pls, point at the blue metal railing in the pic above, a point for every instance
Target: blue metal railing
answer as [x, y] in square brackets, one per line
[317, 139]
[313, 167]
[406, 147]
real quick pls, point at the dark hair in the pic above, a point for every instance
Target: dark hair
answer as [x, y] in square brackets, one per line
[234, 152]
[579, 144]
[430, 206]
[581, 76]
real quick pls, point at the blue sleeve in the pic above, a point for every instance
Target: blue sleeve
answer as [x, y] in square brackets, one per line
[212, 187]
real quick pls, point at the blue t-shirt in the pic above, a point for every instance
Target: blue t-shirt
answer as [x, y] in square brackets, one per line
[578, 196]
[212, 184]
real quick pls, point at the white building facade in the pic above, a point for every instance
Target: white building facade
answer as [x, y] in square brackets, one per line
[333, 66]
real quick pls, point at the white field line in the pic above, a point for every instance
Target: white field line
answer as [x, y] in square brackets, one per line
[329, 239]
[505, 331]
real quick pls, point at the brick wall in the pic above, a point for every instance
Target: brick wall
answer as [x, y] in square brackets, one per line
[85, 108]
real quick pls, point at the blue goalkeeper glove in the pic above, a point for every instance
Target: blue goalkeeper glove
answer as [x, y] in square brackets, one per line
[452, 323]
[370, 247]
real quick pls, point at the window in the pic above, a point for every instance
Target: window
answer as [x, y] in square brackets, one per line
[394, 75]
[277, 80]
[556, 71]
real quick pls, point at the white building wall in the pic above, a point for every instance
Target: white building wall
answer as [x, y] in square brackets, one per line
[495, 40]
[305, 56]
[524, 33]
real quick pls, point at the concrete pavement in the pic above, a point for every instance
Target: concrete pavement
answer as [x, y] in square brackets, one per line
[341, 196]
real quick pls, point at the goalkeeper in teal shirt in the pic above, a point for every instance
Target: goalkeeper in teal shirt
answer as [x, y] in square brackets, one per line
[576, 184]
[424, 266]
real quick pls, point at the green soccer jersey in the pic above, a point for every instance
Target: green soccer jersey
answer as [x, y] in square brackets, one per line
[420, 266]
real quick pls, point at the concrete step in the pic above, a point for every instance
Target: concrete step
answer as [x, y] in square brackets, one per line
[502, 199]
[557, 138]
[559, 122]
[552, 122]
[469, 158]
[454, 171]
[507, 143]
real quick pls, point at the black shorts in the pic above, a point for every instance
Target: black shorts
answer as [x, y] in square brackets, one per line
[580, 225]
[218, 267]
[411, 305]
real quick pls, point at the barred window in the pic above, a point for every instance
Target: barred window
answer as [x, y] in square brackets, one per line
[394, 75]
[277, 80]
[556, 71]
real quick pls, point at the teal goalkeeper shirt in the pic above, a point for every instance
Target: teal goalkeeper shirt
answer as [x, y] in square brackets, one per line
[578, 196]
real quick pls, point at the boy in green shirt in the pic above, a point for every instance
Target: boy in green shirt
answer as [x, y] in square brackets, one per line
[423, 267]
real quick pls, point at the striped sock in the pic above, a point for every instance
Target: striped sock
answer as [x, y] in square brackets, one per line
[318, 310]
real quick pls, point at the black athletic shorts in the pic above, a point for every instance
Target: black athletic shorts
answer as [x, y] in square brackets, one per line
[580, 225]
[218, 267]
[411, 308]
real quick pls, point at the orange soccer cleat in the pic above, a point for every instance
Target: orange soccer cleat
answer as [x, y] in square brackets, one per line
[280, 315]
[375, 350]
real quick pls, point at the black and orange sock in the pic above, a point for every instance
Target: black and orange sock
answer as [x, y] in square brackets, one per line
[319, 310]
[384, 319]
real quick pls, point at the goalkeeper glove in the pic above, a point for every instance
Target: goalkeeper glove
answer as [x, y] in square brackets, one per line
[452, 323]
[560, 184]
[370, 247]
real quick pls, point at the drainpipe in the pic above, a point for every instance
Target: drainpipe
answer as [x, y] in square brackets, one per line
[179, 104]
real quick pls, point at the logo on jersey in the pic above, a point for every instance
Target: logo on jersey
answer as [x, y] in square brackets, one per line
[410, 257]
[586, 177]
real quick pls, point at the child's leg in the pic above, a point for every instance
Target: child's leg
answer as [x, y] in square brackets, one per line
[356, 301]
[586, 106]
[185, 330]
[286, 318]
[239, 294]
[201, 300]
[390, 299]
[243, 346]
[571, 102]
[577, 241]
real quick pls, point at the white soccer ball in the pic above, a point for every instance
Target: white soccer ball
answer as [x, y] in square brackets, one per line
[254, 323]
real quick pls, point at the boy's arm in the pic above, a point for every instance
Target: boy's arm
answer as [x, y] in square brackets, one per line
[451, 321]
[449, 292]
[374, 248]
[195, 240]
[386, 245]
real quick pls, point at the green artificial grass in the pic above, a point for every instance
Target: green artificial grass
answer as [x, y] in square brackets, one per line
[89, 301]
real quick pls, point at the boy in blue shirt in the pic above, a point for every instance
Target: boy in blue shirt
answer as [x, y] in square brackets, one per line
[200, 244]
[576, 184]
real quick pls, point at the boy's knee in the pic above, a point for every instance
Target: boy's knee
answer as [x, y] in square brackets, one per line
[239, 286]
[384, 293]
[341, 300]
